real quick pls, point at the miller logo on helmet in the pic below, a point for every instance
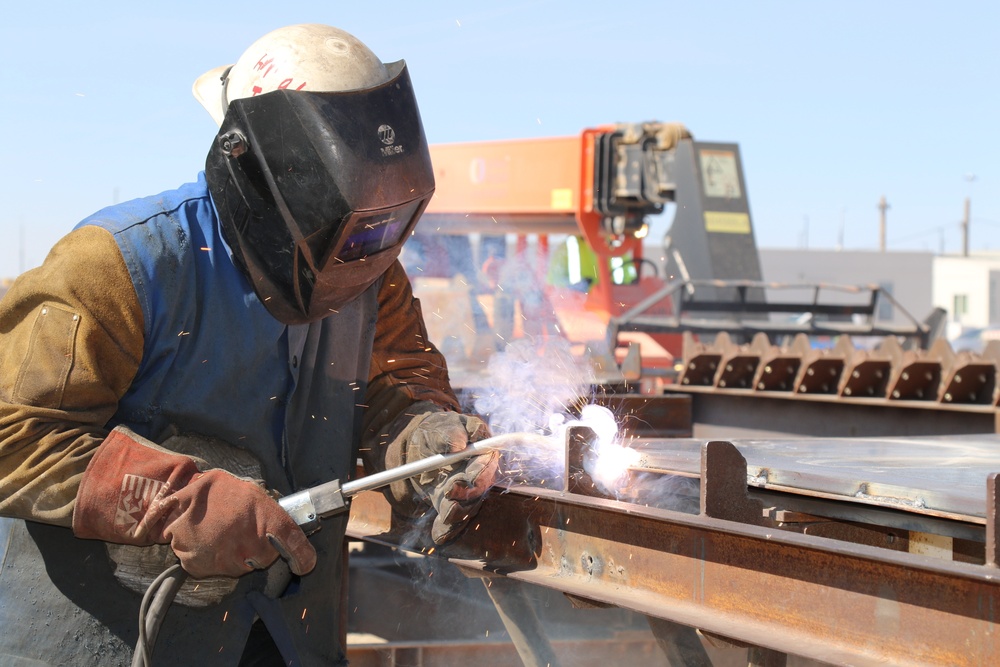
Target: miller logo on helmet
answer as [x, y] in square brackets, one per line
[386, 134]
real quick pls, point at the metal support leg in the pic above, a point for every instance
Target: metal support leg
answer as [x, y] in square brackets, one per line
[765, 657]
[679, 643]
[521, 621]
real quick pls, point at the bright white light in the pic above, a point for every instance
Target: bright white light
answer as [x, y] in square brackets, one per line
[611, 461]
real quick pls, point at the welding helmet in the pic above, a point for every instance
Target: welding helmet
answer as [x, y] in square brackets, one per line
[320, 169]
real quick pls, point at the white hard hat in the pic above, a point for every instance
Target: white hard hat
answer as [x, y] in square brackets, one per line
[313, 57]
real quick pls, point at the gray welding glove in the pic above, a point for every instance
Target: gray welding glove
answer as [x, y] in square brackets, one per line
[456, 492]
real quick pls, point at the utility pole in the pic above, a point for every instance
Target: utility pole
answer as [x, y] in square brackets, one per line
[965, 228]
[883, 206]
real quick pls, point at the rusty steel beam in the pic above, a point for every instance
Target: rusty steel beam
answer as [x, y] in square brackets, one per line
[781, 592]
[759, 414]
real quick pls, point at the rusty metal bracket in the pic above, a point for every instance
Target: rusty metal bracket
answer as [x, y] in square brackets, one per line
[724, 485]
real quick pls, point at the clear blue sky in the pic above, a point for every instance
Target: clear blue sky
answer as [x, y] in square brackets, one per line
[833, 103]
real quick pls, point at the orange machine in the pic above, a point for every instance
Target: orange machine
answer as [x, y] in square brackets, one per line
[601, 186]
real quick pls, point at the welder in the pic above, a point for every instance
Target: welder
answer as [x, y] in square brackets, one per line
[179, 362]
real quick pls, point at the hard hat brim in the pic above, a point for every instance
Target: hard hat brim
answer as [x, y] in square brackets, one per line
[210, 90]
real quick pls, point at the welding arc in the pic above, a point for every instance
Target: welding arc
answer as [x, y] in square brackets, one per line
[162, 591]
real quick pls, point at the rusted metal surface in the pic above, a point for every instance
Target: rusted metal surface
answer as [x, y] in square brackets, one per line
[781, 592]
[792, 593]
[723, 413]
[724, 485]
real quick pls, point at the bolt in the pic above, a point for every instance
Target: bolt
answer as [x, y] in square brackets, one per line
[958, 379]
[905, 376]
[855, 375]
[811, 372]
[847, 391]
[233, 144]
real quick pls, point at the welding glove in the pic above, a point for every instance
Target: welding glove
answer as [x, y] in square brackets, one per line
[455, 492]
[135, 492]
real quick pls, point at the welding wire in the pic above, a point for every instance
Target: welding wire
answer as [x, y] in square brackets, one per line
[438, 461]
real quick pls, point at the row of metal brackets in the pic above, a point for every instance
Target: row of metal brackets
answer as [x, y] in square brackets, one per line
[884, 372]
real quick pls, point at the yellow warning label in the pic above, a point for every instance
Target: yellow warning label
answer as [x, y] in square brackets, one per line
[562, 199]
[727, 223]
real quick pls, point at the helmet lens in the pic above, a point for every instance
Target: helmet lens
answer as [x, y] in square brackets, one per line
[369, 233]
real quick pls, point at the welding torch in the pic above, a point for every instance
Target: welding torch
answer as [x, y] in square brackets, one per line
[307, 507]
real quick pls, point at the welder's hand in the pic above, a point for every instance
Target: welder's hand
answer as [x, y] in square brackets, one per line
[456, 492]
[135, 492]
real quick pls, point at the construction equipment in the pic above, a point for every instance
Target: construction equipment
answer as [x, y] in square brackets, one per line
[599, 190]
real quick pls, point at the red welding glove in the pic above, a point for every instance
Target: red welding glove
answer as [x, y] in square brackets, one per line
[455, 492]
[134, 492]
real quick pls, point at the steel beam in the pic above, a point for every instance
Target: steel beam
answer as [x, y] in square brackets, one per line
[791, 593]
[760, 414]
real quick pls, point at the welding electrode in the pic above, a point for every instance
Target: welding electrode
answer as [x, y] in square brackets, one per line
[310, 505]
[307, 507]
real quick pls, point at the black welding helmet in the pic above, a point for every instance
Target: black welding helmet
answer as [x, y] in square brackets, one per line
[318, 189]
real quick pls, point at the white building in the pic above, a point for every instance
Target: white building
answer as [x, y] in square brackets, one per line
[968, 288]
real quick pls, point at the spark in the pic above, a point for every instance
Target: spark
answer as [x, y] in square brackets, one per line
[184, 333]
[304, 610]
[225, 616]
[206, 248]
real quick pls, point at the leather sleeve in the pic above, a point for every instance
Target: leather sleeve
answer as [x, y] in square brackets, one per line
[71, 339]
[406, 368]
